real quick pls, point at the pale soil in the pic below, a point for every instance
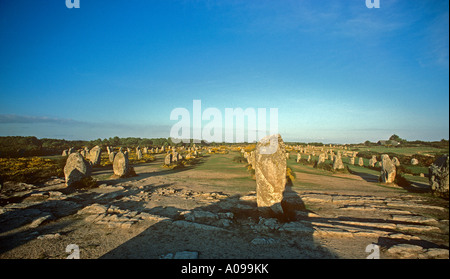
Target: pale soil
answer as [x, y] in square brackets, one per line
[161, 211]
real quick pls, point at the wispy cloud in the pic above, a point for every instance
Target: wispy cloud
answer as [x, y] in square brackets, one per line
[14, 118]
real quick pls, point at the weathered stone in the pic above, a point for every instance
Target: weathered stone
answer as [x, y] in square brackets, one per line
[121, 165]
[95, 155]
[76, 168]
[373, 161]
[138, 154]
[270, 173]
[360, 162]
[439, 176]
[168, 159]
[351, 161]
[299, 157]
[321, 158]
[337, 163]
[414, 161]
[64, 153]
[388, 171]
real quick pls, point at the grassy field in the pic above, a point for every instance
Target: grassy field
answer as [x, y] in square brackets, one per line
[406, 151]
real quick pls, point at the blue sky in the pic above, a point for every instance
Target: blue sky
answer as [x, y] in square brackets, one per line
[337, 71]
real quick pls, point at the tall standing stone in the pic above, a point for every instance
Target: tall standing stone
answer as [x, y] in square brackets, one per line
[388, 170]
[139, 154]
[360, 162]
[439, 176]
[76, 168]
[95, 155]
[121, 165]
[299, 157]
[270, 173]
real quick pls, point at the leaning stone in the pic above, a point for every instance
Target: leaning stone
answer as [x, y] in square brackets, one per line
[270, 173]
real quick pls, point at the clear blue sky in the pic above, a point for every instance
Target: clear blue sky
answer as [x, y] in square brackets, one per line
[336, 70]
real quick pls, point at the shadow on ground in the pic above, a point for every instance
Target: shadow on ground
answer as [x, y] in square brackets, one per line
[244, 237]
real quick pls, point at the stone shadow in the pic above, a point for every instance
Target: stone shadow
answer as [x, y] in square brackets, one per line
[229, 228]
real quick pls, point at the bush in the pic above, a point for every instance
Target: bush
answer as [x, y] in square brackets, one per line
[290, 176]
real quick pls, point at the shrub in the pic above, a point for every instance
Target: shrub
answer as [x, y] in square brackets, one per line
[290, 176]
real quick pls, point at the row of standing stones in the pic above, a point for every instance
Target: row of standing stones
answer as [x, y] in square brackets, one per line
[269, 162]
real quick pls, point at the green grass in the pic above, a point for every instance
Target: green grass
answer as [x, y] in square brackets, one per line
[407, 151]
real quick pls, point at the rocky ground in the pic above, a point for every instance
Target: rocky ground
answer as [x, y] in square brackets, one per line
[161, 213]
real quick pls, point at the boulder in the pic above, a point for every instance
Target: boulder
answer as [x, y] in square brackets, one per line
[439, 176]
[270, 173]
[121, 165]
[76, 168]
[388, 170]
[414, 161]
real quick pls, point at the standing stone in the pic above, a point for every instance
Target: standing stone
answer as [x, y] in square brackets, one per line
[270, 173]
[299, 157]
[168, 159]
[145, 150]
[111, 156]
[351, 161]
[337, 162]
[309, 158]
[388, 170]
[175, 156]
[252, 159]
[361, 162]
[321, 158]
[76, 168]
[64, 153]
[139, 154]
[439, 176]
[287, 155]
[373, 161]
[95, 155]
[414, 161]
[108, 150]
[121, 164]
